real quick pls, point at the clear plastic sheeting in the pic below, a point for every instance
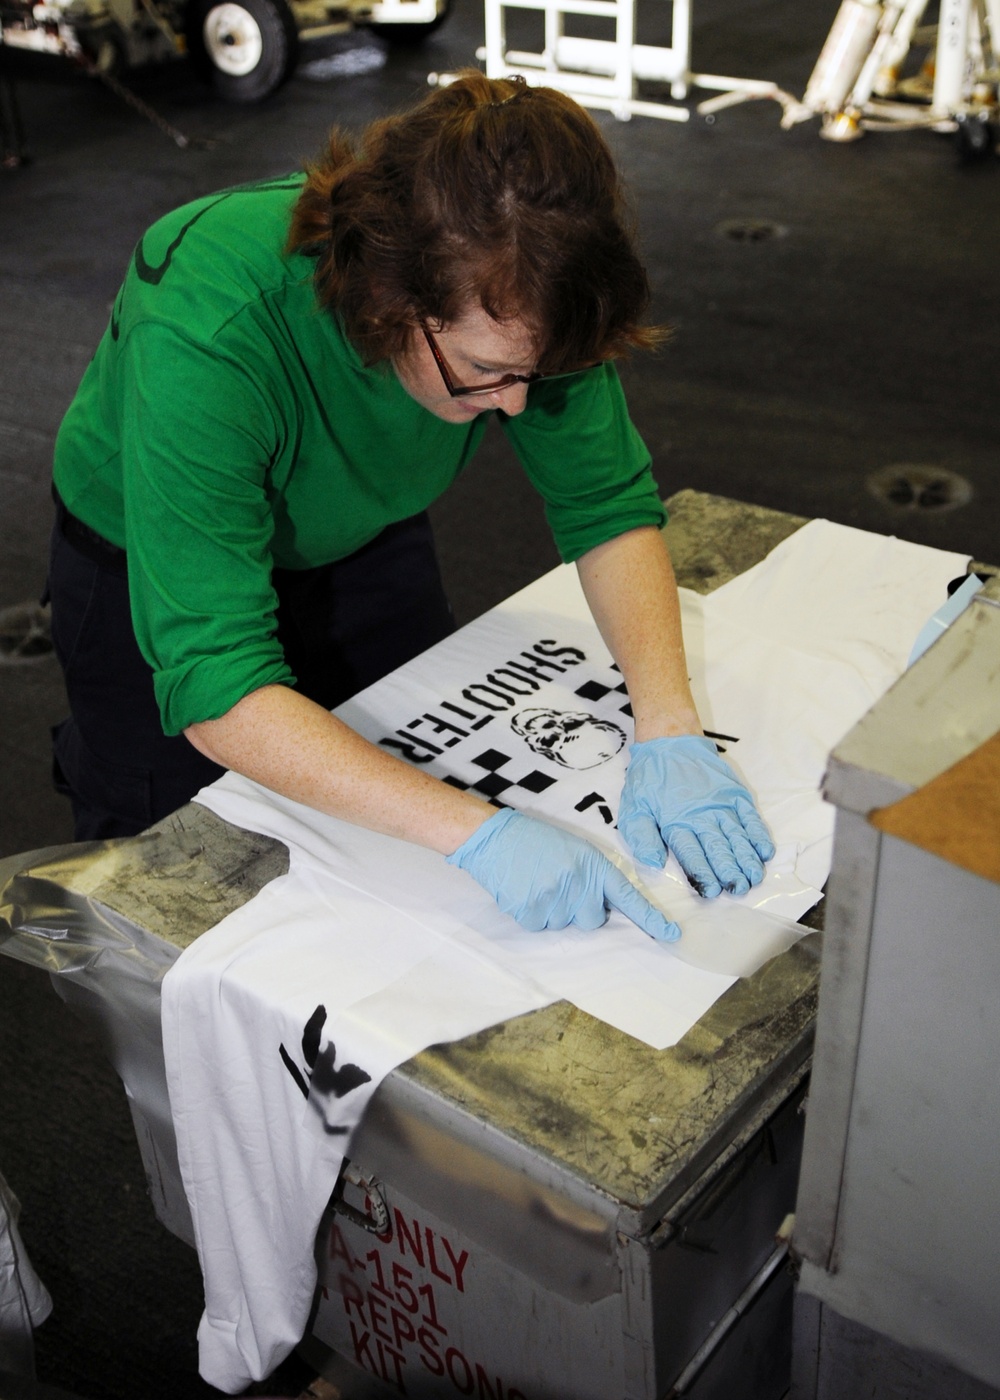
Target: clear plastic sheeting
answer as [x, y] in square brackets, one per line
[102, 964]
[739, 943]
[24, 1300]
[98, 959]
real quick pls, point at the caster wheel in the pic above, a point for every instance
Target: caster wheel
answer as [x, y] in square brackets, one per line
[246, 48]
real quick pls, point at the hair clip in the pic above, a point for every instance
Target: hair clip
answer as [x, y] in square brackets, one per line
[521, 84]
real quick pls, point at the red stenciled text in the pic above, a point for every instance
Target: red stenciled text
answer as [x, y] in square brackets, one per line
[391, 1296]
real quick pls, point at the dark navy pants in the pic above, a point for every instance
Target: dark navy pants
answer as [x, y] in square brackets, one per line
[342, 626]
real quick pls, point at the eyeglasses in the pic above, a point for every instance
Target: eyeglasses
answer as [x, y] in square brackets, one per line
[459, 391]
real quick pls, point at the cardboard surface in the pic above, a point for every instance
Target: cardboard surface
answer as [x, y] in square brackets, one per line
[956, 815]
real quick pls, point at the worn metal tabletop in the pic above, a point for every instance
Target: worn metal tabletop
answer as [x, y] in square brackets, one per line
[639, 1125]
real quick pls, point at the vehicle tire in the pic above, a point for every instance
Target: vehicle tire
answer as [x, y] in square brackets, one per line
[407, 35]
[246, 48]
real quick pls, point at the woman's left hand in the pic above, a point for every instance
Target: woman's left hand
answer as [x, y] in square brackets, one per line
[681, 795]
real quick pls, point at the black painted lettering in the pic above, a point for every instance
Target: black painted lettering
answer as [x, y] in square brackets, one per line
[548, 647]
[506, 701]
[532, 672]
[417, 738]
[537, 661]
[495, 681]
[442, 726]
[532, 685]
[594, 799]
[467, 714]
[457, 709]
[407, 750]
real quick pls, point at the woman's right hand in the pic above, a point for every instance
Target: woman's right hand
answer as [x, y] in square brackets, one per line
[547, 878]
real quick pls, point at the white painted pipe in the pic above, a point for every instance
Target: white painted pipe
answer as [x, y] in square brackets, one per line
[843, 54]
[951, 57]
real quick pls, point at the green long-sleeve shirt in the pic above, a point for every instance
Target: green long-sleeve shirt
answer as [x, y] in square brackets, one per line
[226, 425]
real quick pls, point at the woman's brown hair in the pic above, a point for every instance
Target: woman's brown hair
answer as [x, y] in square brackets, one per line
[488, 191]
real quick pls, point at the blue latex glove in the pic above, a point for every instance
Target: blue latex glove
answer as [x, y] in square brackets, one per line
[545, 877]
[681, 794]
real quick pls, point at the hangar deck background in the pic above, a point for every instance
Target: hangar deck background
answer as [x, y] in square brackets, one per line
[835, 315]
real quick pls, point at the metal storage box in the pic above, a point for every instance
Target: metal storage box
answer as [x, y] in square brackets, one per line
[554, 1210]
[567, 1212]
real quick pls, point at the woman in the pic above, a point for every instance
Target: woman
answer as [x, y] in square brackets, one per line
[293, 371]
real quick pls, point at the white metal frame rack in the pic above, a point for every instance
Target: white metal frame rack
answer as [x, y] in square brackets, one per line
[603, 73]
